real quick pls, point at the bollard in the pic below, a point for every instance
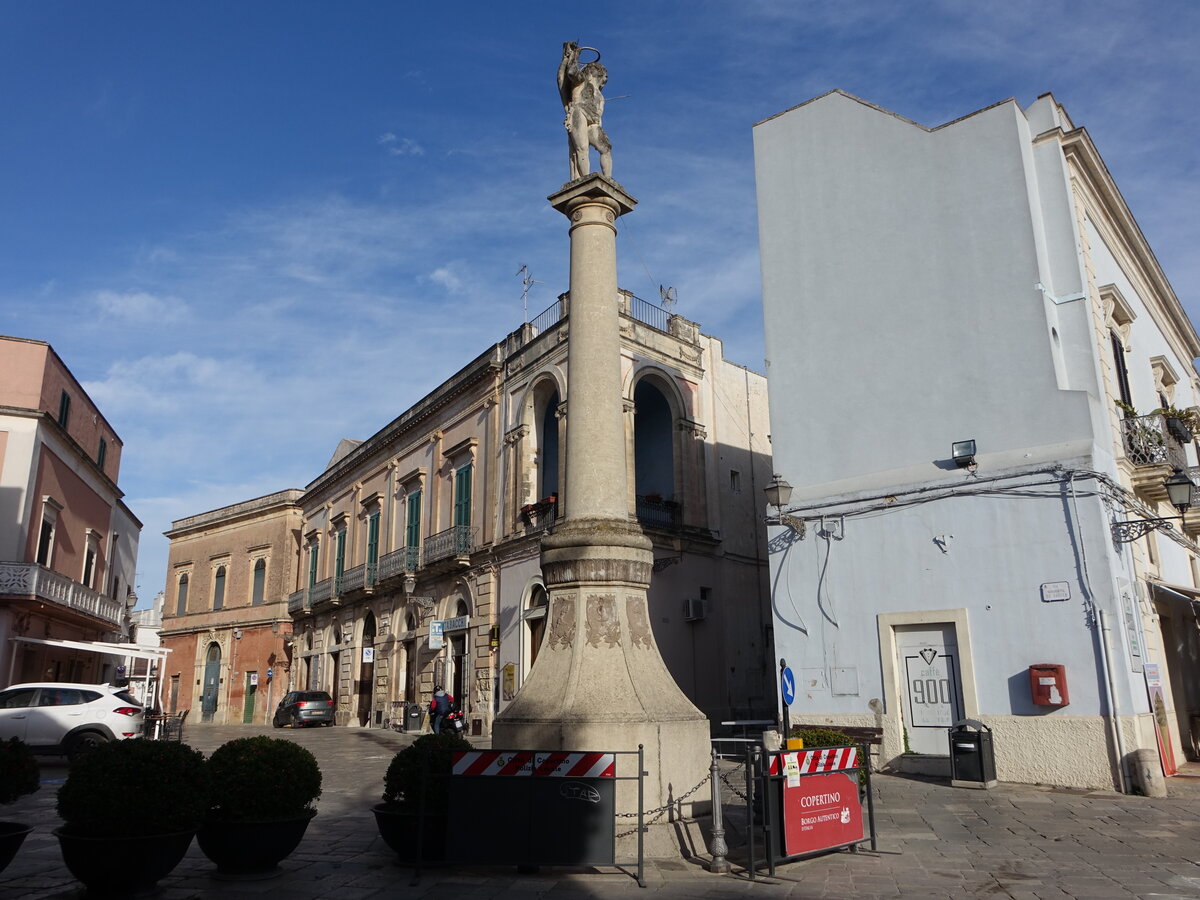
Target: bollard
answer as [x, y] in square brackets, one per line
[719, 864]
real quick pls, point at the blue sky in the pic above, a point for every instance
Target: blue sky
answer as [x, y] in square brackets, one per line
[252, 229]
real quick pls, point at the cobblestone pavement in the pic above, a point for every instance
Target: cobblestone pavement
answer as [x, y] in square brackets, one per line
[934, 841]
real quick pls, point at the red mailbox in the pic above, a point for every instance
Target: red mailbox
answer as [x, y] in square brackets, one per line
[1048, 684]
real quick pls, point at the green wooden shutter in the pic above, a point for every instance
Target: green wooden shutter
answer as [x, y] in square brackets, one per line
[373, 539]
[312, 564]
[462, 496]
[412, 531]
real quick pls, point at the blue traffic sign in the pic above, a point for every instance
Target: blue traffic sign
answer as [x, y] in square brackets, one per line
[787, 686]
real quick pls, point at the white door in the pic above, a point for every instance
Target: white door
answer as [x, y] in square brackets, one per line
[927, 660]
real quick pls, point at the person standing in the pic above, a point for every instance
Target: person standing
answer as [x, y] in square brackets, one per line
[439, 706]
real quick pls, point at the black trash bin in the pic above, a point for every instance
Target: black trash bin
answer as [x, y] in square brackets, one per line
[414, 717]
[972, 759]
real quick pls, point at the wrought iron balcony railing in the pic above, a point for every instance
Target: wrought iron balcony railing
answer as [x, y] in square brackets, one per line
[541, 515]
[298, 601]
[1149, 442]
[353, 579]
[659, 513]
[458, 540]
[399, 562]
[49, 586]
[320, 592]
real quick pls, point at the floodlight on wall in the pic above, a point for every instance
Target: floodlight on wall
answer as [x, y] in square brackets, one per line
[779, 493]
[1180, 490]
[963, 454]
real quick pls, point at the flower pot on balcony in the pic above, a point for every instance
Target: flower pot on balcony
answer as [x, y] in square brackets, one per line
[1179, 430]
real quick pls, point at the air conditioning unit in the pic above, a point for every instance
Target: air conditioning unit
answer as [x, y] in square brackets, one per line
[693, 610]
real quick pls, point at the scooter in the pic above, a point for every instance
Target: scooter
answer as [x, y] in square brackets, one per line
[454, 719]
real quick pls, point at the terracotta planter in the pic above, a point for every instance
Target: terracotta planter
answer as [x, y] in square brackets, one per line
[402, 830]
[250, 850]
[12, 834]
[119, 865]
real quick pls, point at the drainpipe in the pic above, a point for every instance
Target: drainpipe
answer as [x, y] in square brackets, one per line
[1114, 720]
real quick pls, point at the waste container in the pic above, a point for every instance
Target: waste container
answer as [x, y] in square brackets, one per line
[414, 717]
[972, 759]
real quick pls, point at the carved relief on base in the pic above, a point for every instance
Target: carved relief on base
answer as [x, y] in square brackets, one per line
[603, 626]
[639, 623]
[562, 623]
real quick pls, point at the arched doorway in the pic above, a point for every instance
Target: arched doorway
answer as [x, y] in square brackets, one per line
[459, 682]
[366, 672]
[210, 683]
[654, 456]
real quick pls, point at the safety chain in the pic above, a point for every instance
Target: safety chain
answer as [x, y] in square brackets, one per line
[729, 784]
[655, 814]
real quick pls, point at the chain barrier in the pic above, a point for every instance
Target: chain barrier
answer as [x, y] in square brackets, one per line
[653, 815]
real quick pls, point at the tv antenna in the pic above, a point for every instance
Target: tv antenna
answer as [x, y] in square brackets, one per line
[527, 281]
[669, 298]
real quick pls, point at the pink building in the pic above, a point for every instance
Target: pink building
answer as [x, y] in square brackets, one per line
[68, 545]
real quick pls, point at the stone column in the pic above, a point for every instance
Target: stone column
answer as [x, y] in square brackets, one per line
[600, 682]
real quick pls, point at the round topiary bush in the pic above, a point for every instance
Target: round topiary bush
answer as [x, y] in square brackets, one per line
[137, 787]
[423, 766]
[821, 737]
[258, 779]
[19, 773]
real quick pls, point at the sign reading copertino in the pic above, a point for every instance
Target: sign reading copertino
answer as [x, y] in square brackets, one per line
[820, 813]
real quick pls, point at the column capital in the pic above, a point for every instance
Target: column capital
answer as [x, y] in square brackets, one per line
[594, 188]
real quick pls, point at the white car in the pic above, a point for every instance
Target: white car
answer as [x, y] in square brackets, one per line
[68, 718]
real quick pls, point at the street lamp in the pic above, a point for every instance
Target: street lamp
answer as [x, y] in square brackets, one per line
[1180, 488]
[779, 493]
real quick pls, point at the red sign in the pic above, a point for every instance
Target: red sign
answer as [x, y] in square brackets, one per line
[821, 812]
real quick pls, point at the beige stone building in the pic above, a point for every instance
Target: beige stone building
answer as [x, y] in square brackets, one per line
[418, 560]
[225, 617]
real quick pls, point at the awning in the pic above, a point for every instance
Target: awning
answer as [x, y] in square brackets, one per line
[1182, 591]
[137, 651]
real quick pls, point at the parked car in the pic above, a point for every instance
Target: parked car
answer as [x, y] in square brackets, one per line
[59, 718]
[304, 708]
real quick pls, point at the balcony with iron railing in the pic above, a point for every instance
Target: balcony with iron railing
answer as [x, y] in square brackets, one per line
[1154, 446]
[298, 601]
[455, 543]
[655, 512]
[49, 587]
[540, 516]
[399, 562]
[353, 579]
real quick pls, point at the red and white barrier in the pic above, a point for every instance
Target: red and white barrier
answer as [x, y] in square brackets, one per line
[560, 764]
[821, 759]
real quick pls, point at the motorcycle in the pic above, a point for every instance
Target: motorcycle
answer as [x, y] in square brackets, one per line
[453, 720]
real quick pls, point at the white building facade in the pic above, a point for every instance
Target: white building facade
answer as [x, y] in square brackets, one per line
[980, 281]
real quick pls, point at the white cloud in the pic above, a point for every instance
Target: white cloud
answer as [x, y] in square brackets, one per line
[446, 278]
[398, 146]
[140, 306]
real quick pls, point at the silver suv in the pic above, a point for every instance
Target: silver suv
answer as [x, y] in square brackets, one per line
[68, 718]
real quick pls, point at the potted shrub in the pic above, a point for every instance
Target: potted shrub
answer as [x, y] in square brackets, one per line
[130, 809]
[416, 792]
[263, 790]
[18, 777]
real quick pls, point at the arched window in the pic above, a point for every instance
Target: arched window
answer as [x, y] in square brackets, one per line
[181, 596]
[219, 588]
[260, 583]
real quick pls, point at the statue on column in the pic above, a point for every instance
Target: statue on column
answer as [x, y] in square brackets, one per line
[580, 88]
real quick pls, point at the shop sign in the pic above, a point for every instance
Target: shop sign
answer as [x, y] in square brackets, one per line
[435, 635]
[821, 812]
[458, 623]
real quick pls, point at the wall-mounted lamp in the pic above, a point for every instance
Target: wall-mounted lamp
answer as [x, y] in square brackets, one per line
[1180, 488]
[779, 494]
[963, 454]
[410, 583]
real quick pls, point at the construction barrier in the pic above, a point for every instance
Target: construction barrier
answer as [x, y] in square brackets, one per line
[532, 808]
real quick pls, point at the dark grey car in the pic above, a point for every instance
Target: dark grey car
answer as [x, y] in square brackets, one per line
[304, 708]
